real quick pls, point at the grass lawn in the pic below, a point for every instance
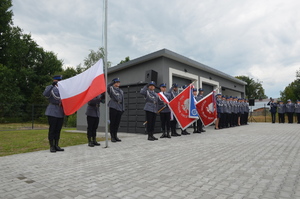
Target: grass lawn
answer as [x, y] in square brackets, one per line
[23, 141]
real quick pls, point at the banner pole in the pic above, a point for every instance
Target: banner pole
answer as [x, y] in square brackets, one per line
[105, 63]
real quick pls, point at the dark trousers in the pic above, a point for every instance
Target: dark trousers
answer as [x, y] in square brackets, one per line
[115, 119]
[93, 123]
[151, 119]
[173, 124]
[55, 125]
[298, 118]
[229, 117]
[290, 117]
[246, 117]
[273, 117]
[281, 117]
[165, 121]
[222, 120]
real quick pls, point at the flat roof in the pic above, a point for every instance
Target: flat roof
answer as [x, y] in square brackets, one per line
[177, 57]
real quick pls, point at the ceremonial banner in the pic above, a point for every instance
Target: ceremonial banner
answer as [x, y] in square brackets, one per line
[78, 90]
[207, 110]
[193, 113]
[180, 108]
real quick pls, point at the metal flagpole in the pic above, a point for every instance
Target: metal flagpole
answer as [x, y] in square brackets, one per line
[105, 63]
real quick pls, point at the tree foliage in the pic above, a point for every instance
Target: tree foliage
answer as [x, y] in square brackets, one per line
[292, 91]
[94, 56]
[127, 59]
[254, 89]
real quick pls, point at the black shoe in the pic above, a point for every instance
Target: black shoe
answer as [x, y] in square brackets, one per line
[168, 135]
[202, 130]
[150, 138]
[57, 147]
[177, 134]
[95, 142]
[118, 140]
[91, 144]
[187, 133]
[52, 149]
[163, 135]
[113, 140]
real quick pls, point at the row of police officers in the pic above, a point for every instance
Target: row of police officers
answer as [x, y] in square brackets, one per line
[284, 109]
[231, 111]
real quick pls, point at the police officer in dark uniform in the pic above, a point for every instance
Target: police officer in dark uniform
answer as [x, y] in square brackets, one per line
[273, 109]
[151, 108]
[174, 92]
[290, 110]
[297, 111]
[219, 104]
[281, 112]
[196, 124]
[92, 116]
[55, 114]
[116, 107]
[165, 113]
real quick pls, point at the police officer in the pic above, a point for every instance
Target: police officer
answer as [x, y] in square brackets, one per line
[219, 104]
[55, 114]
[151, 108]
[116, 107]
[297, 111]
[290, 111]
[199, 122]
[196, 124]
[273, 109]
[246, 105]
[281, 111]
[92, 116]
[173, 92]
[235, 109]
[165, 113]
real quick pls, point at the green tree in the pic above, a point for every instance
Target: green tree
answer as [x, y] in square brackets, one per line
[254, 89]
[127, 59]
[292, 91]
[94, 56]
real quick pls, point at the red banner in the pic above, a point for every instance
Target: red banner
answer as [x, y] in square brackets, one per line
[207, 110]
[180, 108]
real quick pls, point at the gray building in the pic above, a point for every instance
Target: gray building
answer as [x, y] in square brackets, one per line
[161, 66]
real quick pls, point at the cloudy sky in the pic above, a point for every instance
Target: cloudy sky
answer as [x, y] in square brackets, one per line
[256, 38]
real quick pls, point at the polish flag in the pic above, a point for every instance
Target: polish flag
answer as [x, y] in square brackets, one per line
[180, 108]
[207, 110]
[78, 90]
[163, 97]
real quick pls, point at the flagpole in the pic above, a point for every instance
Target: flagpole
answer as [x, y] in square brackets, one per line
[105, 63]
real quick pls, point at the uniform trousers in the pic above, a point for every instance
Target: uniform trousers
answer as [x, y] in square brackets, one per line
[93, 123]
[151, 119]
[281, 117]
[290, 117]
[115, 119]
[246, 117]
[173, 124]
[55, 125]
[273, 117]
[298, 118]
[165, 120]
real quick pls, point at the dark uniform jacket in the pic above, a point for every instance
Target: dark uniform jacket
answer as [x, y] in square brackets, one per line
[116, 97]
[92, 109]
[151, 98]
[54, 108]
[161, 103]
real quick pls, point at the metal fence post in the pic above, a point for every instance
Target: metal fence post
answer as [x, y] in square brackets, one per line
[32, 116]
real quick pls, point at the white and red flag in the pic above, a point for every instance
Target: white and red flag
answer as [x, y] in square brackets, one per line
[207, 110]
[163, 97]
[78, 90]
[180, 108]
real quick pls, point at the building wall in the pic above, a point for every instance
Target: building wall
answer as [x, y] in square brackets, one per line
[168, 71]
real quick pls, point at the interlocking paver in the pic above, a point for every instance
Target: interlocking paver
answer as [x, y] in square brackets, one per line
[259, 160]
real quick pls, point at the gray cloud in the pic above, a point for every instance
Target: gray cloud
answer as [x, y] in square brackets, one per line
[254, 38]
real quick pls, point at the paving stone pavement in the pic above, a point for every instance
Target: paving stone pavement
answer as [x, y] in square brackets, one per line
[259, 160]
